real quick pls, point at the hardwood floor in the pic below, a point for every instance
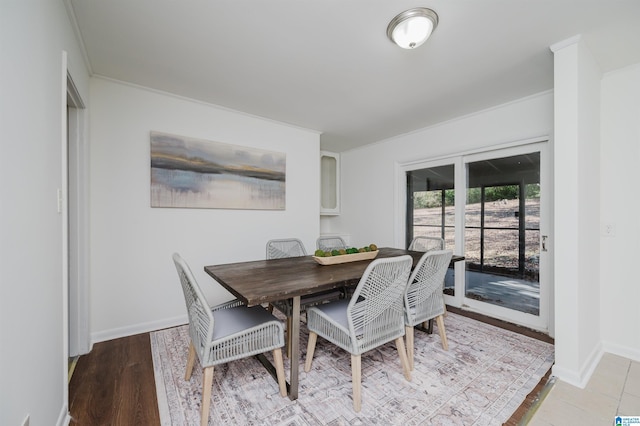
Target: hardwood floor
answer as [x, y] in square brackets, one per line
[114, 384]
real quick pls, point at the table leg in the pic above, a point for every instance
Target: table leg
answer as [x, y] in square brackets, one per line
[295, 348]
[289, 320]
[428, 329]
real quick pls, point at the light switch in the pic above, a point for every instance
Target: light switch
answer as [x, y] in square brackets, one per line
[609, 230]
[59, 200]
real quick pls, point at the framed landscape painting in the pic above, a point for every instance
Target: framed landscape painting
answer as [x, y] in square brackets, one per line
[196, 173]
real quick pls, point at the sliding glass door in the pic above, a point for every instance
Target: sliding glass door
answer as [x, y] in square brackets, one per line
[490, 207]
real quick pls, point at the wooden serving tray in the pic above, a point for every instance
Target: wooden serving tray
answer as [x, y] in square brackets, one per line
[344, 258]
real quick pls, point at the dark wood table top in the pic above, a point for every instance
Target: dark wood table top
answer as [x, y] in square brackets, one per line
[264, 281]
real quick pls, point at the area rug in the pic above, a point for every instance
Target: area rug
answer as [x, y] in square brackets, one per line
[481, 380]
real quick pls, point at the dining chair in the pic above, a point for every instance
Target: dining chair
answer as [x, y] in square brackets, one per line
[330, 243]
[426, 243]
[293, 247]
[226, 332]
[286, 247]
[424, 298]
[372, 317]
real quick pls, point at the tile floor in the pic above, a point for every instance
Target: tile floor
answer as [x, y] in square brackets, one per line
[613, 390]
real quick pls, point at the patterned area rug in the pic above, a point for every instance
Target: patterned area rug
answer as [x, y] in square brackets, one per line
[481, 380]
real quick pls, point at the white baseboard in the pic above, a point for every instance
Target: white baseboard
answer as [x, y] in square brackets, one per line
[623, 351]
[580, 378]
[146, 327]
[64, 418]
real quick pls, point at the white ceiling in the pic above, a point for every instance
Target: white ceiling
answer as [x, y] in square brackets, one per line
[327, 65]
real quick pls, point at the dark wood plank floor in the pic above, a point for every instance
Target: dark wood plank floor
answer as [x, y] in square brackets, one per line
[114, 384]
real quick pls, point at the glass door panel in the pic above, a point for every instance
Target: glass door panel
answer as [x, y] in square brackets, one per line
[431, 208]
[502, 232]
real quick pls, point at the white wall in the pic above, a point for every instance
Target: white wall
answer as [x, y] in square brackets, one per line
[620, 207]
[577, 237]
[33, 378]
[134, 285]
[369, 196]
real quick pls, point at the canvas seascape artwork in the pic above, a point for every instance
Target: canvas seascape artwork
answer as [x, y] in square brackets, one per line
[195, 173]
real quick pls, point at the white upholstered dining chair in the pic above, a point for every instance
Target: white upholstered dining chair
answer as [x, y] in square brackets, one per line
[372, 317]
[424, 299]
[226, 332]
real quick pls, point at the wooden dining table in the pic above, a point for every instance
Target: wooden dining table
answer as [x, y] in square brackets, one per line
[265, 281]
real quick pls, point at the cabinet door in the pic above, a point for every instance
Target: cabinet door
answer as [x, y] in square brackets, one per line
[329, 183]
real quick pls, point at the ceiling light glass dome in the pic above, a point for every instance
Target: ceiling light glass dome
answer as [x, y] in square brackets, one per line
[412, 27]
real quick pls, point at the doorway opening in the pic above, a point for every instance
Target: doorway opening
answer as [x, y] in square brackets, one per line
[77, 225]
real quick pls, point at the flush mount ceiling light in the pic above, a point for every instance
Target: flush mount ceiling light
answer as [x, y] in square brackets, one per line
[412, 27]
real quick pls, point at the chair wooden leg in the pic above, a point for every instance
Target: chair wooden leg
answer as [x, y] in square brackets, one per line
[191, 359]
[356, 380]
[206, 395]
[443, 334]
[282, 382]
[408, 331]
[311, 347]
[403, 358]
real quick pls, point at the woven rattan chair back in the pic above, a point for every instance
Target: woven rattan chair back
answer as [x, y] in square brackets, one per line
[375, 311]
[426, 244]
[200, 317]
[286, 247]
[330, 243]
[424, 298]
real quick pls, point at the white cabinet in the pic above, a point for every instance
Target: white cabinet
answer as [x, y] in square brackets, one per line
[329, 183]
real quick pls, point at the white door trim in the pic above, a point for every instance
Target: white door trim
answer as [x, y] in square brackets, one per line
[78, 221]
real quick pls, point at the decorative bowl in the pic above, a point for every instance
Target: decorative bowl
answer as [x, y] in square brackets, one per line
[344, 258]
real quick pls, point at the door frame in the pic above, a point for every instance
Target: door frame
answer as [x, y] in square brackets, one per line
[77, 218]
[537, 322]
[542, 322]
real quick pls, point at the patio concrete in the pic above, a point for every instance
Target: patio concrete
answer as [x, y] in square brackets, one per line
[512, 293]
